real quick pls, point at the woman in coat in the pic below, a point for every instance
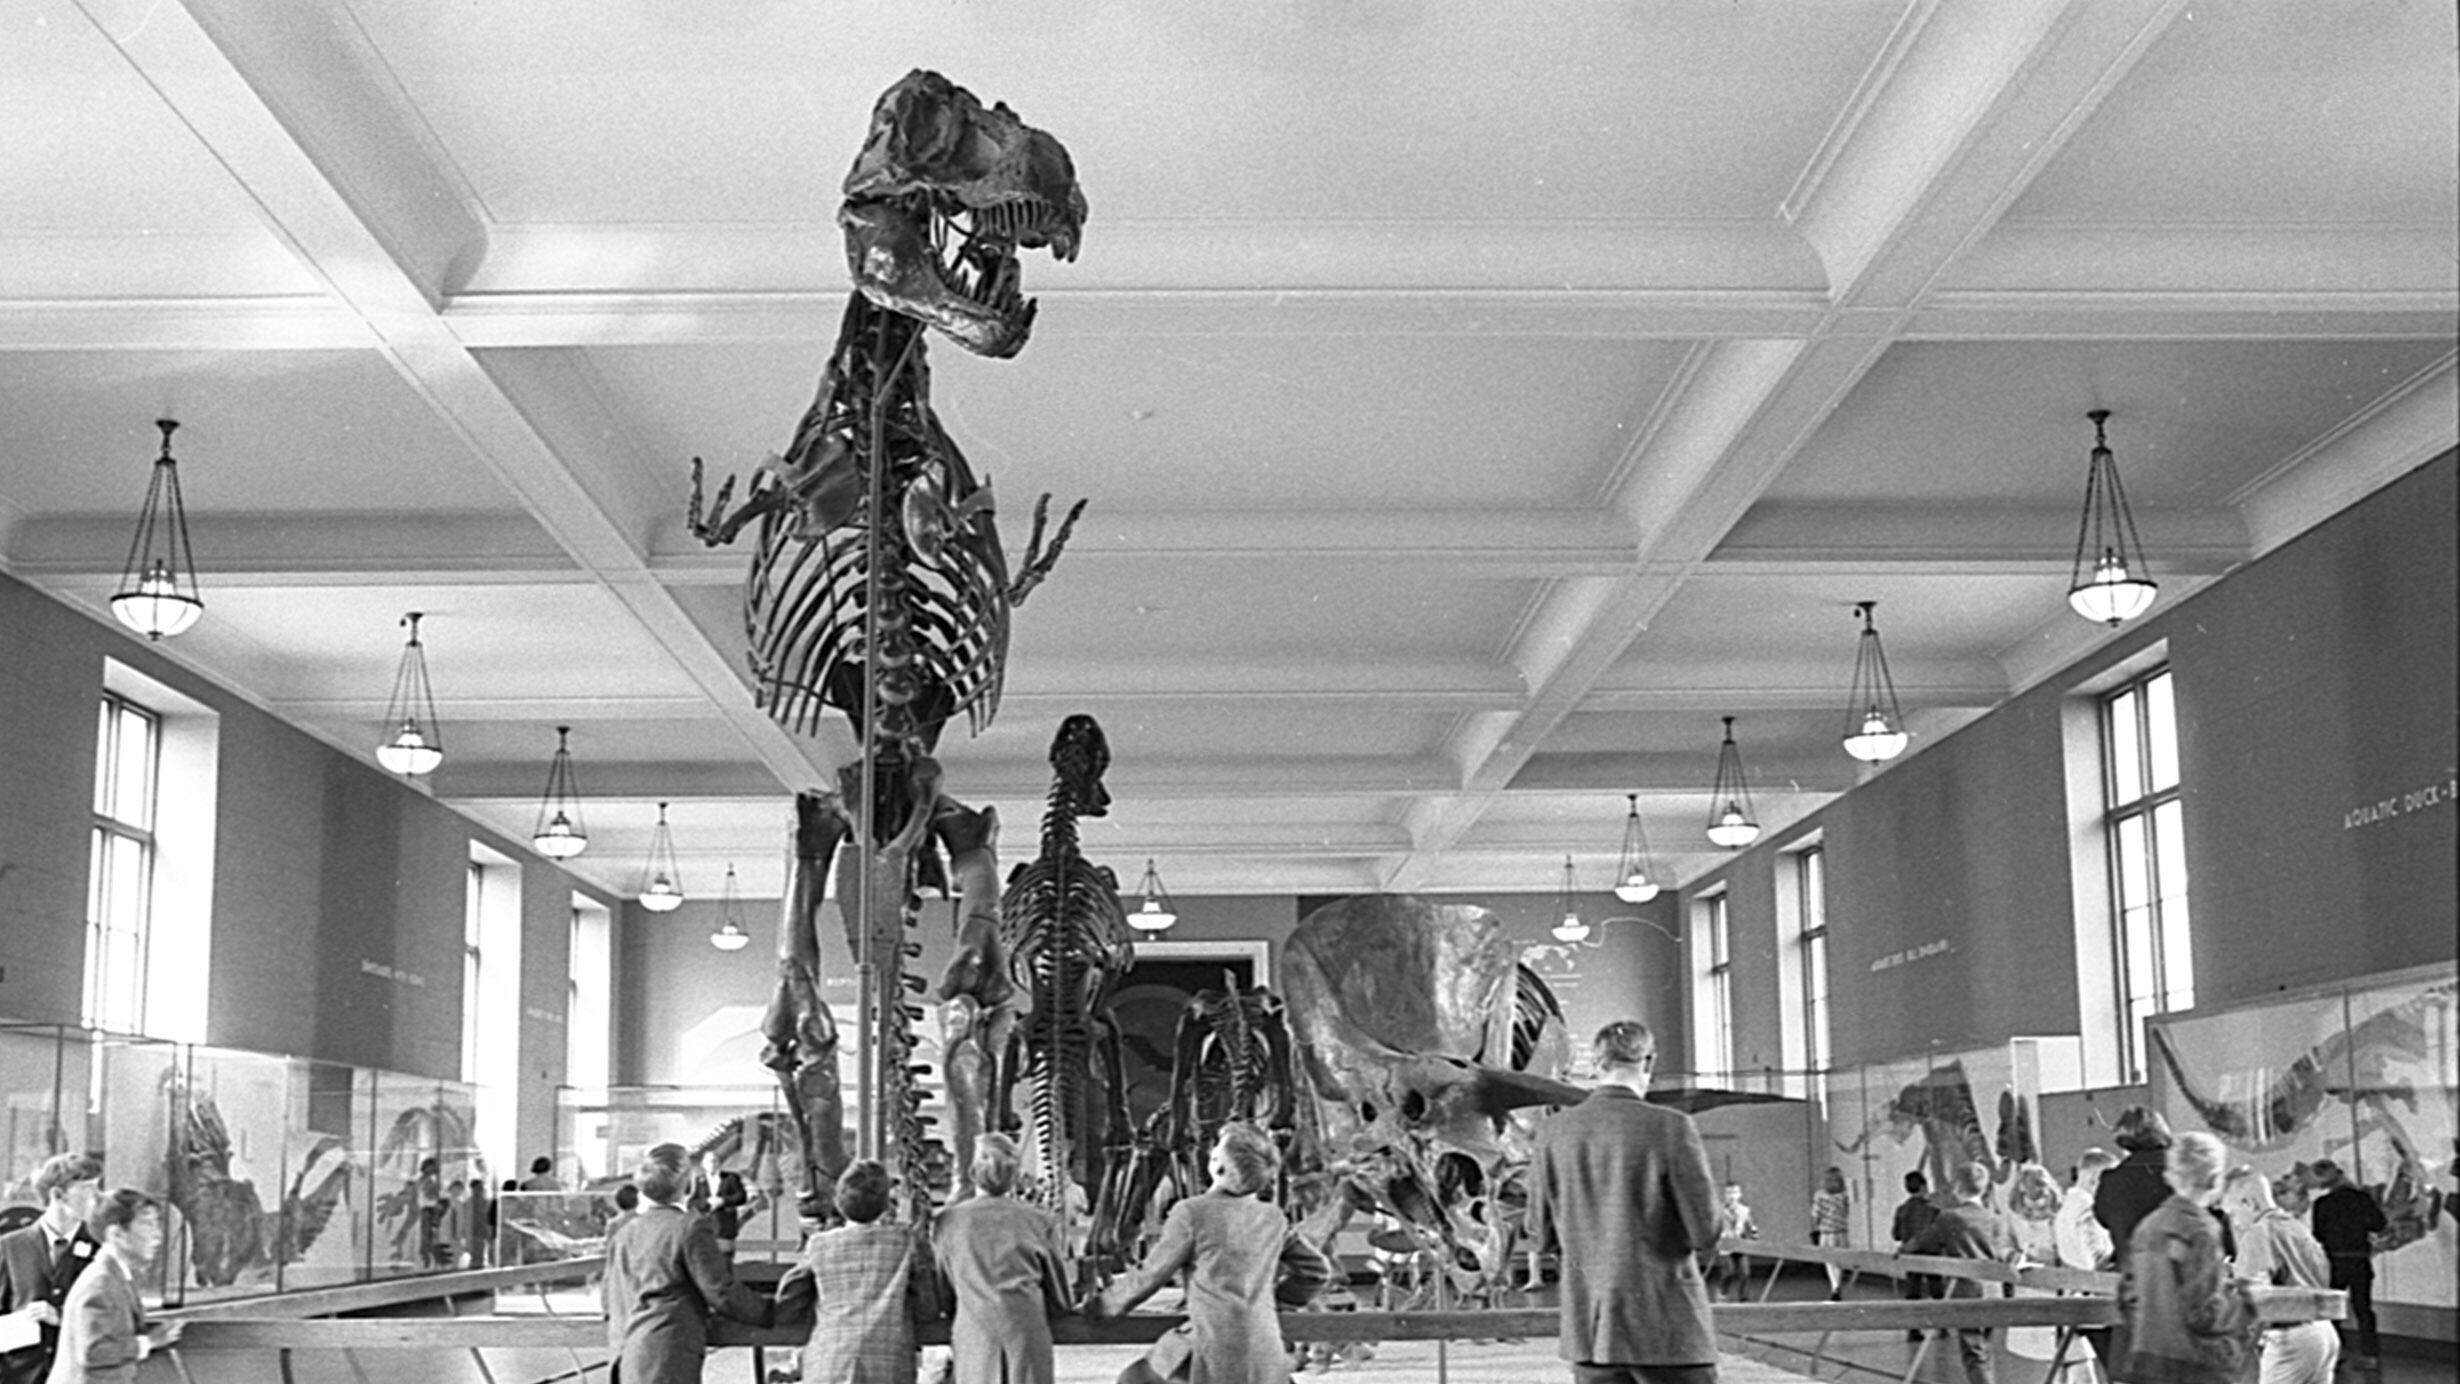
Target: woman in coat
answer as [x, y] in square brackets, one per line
[1002, 1271]
[1241, 1260]
[2182, 1318]
[664, 1279]
[103, 1333]
[859, 1280]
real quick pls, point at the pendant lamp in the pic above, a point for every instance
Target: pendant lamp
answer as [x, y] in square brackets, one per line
[1153, 911]
[661, 882]
[2107, 581]
[157, 595]
[560, 834]
[1731, 822]
[1569, 928]
[1874, 722]
[417, 743]
[1634, 872]
[730, 935]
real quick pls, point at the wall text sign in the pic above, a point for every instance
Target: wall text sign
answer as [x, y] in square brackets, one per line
[2400, 805]
[1896, 959]
[383, 972]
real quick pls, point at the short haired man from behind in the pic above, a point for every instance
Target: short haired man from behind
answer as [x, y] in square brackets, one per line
[665, 1278]
[1968, 1229]
[1621, 1189]
[39, 1263]
[2346, 1220]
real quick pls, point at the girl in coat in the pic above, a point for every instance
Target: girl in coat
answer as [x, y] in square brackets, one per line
[2183, 1318]
[103, 1333]
[1002, 1271]
[1242, 1261]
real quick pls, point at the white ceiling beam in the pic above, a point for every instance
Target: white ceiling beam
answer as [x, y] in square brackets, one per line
[407, 548]
[1966, 106]
[2254, 310]
[300, 113]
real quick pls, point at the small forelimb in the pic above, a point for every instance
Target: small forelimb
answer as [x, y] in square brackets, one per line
[1038, 561]
[718, 528]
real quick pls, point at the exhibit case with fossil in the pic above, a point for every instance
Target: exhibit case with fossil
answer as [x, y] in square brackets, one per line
[275, 1173]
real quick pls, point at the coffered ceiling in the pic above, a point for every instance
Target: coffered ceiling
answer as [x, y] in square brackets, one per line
[1474, 402]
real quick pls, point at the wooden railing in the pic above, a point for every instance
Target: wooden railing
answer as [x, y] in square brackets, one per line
[295, 1321]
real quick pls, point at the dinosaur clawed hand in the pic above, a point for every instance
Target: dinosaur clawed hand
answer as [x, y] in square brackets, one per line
[1038, 560]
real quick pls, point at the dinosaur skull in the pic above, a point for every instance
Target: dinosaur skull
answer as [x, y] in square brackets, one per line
[1080, 755]
[941, 175]
[1403, 1014]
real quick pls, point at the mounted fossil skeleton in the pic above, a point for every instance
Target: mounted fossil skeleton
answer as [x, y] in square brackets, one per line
[880, 589]
[1067, 942]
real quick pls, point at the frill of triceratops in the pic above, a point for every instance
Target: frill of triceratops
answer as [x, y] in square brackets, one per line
[1408, 1021]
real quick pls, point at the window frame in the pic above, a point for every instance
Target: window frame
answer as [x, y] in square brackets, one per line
[117, 958]
[2143, 833]
[1811, 882]
[1716, 990]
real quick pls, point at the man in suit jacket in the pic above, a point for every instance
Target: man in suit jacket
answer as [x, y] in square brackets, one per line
[664, 1278]
[40, 1262]
[1621, 1189]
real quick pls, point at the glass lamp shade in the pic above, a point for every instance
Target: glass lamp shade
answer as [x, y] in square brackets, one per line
[1876, 740]
[2103, 584]
[1733, 828]
[1631, 868]
[1572, 928]
[1154, 912]
[559, 839]
[661, 879]
[1636, 888]
[408, 752]
[730, 936]
[2113, 596]
[1731, 822]
[559, 834]
[156, 607]
[158, 595]
[417, 747]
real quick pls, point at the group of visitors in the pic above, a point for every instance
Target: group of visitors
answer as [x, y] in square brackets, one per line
[2186, 1233]
[993, 1263]
[69, 1311]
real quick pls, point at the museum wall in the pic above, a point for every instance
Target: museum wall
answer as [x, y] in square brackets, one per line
[2314, 684]
[337, 895]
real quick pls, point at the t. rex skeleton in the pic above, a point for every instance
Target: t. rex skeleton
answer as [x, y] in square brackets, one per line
[880, 588]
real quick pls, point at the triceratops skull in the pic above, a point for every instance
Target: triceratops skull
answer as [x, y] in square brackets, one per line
[940, 174]
[1403, 1012]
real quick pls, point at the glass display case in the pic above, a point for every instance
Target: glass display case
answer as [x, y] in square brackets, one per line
[275, 1173]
